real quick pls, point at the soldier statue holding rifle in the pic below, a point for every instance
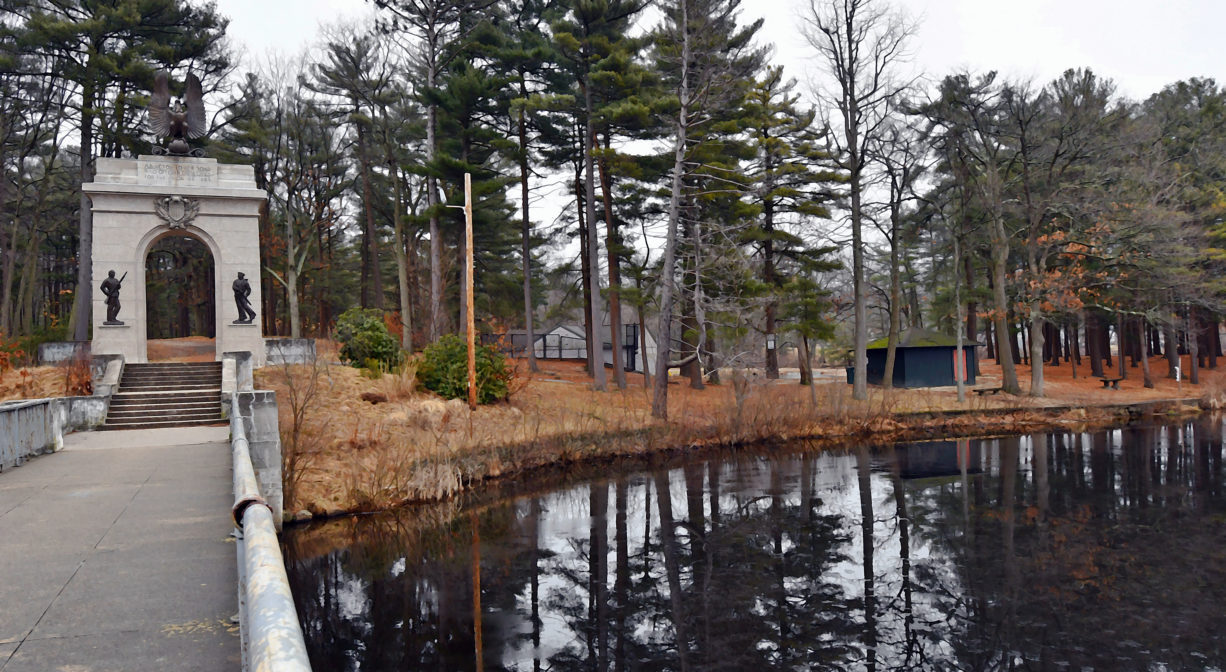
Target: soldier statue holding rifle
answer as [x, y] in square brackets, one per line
[110, 288]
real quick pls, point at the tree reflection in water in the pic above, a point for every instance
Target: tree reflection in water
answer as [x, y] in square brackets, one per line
[1048, 551]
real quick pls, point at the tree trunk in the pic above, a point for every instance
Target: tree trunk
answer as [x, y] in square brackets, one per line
[691, 321]
[291, 280]
[1170, 349]
[895, 300]
[1214, 338]
[1014, 335]
[370, 242]
[768, 278]
[1092, 344]
[772, 348]
[1037, 329]
[659, 401]
[806, 370]
[436, 242]
[1074, 348]
[526, 238]
[972, 307]
[612, 248]
[641, 308]
[860, 384]
[992, 341]
[82, 298]
[1141, 328]
[402, 261]
[8, 243]
[585, 273]
[960, 372]
[596, 343]
[1194, 346]
[1000, 260]
[25, 288]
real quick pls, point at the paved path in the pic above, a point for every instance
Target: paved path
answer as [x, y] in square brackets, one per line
[115, 555]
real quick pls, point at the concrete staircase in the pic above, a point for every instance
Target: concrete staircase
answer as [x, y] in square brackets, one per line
[166, 395]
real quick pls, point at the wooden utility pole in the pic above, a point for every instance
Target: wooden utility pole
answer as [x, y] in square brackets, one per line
[468, 290]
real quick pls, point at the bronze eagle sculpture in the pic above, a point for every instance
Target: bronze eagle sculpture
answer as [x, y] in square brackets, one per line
[181, 121]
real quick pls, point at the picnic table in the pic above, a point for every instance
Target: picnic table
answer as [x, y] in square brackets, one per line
[1114, 383]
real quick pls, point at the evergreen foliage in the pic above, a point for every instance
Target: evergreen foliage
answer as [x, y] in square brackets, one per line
[364, 340]
[443, 369]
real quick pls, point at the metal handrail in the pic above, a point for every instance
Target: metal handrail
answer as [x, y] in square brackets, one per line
[268, 622]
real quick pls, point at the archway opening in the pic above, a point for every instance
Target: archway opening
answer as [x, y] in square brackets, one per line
[180, 306]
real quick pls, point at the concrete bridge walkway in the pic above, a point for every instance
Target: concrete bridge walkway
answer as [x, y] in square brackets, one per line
[116, 555]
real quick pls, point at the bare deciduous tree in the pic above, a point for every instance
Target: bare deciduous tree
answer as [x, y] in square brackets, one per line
[862, 44]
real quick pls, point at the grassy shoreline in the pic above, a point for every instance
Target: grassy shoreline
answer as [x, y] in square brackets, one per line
[373, 445]
[325, 534]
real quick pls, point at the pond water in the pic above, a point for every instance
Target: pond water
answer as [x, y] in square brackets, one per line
[1051, 551]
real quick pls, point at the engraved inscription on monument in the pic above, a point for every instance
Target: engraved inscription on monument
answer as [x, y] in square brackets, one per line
[175, 174]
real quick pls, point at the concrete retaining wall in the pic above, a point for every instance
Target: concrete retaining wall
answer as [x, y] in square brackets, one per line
[64, 351]
[37, 426]
[289, 350]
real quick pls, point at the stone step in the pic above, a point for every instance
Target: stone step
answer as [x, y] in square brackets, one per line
[163, 410]
[170, 395]
[130, 402]
[154, 387]
[154, 425]
[133, 369]
[195, 370]
[145, 378]
[156, 408]
[166, 417]
[172, 365]
[167, 382]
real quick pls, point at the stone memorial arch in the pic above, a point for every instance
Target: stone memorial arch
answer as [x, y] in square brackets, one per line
[135, 203]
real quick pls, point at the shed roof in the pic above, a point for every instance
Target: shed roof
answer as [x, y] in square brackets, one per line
[920, 338]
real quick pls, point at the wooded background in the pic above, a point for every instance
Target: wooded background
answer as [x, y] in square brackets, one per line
[701, 188]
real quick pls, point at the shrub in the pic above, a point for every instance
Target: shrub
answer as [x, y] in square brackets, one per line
[443, 369]
[365, 340]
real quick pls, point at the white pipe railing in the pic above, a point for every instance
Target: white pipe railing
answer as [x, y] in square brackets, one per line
[268, 622]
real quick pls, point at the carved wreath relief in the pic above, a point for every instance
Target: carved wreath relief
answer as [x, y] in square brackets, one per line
[176, 211]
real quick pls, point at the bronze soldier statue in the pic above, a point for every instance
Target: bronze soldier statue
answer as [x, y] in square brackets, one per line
[242, 290]
[110, 288]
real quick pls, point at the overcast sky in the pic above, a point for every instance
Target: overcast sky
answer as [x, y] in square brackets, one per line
[1140, 44]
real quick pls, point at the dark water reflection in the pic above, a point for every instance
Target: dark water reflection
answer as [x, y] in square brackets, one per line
[1052, 551]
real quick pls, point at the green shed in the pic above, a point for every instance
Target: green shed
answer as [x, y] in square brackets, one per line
[923, 358]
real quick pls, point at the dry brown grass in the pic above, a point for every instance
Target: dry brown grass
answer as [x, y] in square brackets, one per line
[68, 379]
[410, 446]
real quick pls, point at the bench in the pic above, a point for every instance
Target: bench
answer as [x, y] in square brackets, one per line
[1114, 383]
[987, 390]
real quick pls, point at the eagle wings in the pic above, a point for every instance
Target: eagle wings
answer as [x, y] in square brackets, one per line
[184, 119]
